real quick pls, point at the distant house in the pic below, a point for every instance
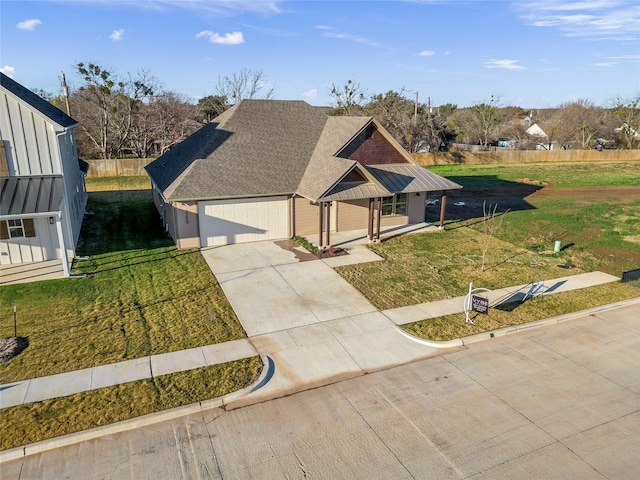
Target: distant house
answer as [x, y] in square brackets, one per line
[535, 131]
[268, 169]
[42, 181]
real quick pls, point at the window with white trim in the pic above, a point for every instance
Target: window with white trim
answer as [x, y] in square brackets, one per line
[15, 228]
[396, 205]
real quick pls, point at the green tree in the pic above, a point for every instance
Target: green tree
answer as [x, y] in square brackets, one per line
[210, 107]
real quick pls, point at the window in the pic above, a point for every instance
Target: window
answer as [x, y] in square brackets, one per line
[16, 229]
[396, 205]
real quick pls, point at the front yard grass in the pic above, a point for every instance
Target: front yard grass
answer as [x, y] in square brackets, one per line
[38, 421]
[140, 296]
[450, 327]
[426, 267]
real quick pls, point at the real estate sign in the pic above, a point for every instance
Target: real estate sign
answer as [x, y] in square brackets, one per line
[480, 304]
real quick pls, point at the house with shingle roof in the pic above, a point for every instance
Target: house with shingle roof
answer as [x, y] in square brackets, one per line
[271, 169]
[42, 181]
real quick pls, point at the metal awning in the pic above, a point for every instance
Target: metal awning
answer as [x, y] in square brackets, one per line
[30, 196]
[403, 178]
[354, 191]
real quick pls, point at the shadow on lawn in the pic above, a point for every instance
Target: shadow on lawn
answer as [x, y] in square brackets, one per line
[123, 259]
[121, 223]
[478, 190]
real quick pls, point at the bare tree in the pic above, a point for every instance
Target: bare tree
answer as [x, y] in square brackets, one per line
[174, 119]
[480, 123]
[243, 84]
[626, 118]
[492, 222]
[349, 97]
[106, 106]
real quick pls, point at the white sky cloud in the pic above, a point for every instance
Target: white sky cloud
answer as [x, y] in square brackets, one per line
[330, 32]
[233, 38]
[116, 36]
[29, 24]
[310, 94]
[613, 19]
[8, 71]
[427, 53]
[605, 64]
[505, 64]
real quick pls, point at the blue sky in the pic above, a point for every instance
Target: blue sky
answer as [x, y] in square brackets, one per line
[537, 53]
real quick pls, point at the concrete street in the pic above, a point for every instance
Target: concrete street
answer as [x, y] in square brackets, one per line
[560, 401]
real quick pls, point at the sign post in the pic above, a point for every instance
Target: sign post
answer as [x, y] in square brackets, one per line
[475, 303]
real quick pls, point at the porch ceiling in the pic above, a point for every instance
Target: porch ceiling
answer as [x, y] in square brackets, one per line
[30, 195]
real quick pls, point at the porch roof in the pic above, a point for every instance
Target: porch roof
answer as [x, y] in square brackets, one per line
[406, 178]
[23, 196]
[355, 191]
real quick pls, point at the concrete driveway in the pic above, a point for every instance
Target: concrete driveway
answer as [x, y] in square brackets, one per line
[273, 287]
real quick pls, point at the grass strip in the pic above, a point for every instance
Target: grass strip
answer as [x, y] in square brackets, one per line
[453, 326]
[34, 422]
[425, 267]
[99, 184]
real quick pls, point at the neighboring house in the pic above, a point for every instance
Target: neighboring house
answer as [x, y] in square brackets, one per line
[42, 181]
[535, 131]
[268, 169]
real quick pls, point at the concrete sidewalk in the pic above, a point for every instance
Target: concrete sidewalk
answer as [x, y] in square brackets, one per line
[302, 357]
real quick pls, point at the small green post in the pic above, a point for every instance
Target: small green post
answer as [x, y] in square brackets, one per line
[15, 325]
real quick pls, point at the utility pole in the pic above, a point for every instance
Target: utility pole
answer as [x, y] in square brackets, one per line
[415, 110]
[65, 91]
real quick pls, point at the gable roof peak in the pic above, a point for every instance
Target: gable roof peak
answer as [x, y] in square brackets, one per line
[36, 102]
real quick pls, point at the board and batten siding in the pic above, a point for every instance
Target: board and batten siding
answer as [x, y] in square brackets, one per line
[33, 143]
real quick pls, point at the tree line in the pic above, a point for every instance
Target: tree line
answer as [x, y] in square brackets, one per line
[134, 115]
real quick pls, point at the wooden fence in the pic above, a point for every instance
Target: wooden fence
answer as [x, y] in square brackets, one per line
[526, 156]
[118, 167]
[135, 166]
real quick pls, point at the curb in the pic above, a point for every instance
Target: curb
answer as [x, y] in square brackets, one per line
[480, 337]
[265, 375]
[132, 423]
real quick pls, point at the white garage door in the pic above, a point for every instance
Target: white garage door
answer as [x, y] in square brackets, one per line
[243, 220]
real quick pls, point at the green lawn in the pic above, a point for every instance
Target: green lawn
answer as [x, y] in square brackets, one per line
[96, 184]
[38, 421]
[557, 175]
[592, 208]
[140, 296]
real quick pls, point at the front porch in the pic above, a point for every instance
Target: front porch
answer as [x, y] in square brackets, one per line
[31, 272]
[360, 237]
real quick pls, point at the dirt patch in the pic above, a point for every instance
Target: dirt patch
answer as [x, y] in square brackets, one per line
[518, 197]
[331, 252]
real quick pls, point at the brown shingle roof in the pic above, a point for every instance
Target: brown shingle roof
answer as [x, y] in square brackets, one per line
[269, 147]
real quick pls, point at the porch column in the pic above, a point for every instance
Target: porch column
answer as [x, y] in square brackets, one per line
[370, 219]
[328, 223]
[63, 247]
[443, 203]
[320, 224]
[379, 215]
